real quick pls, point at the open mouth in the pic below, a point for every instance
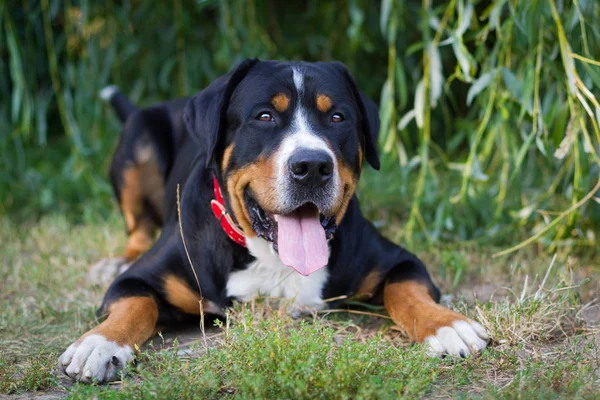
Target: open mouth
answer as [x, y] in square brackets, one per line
[300, 237]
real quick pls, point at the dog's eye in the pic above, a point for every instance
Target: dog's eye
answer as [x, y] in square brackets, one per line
[265, 116]
[337, 117]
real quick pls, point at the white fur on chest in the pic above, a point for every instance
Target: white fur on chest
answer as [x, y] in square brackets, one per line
[268, 276]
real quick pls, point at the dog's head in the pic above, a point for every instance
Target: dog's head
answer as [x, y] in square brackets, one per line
[287, 141]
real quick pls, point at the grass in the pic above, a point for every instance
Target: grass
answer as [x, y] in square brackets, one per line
[540, 309]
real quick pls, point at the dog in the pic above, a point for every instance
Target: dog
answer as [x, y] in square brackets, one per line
[252, 182]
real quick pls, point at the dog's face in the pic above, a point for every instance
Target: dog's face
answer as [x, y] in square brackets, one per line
[288, 149]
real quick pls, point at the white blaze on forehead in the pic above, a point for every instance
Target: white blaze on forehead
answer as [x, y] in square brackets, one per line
[301, 134]
[298, 80]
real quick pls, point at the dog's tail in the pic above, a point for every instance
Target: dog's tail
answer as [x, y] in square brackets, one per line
[113, 95]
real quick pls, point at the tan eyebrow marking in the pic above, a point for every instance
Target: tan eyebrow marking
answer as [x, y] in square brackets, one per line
[280, 101]
[324, 102]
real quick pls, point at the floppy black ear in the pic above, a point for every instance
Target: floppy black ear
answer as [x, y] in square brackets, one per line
[205, 113]
[369, 115]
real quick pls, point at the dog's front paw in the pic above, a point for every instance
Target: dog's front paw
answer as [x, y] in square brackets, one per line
[462, 337]
[94, 358]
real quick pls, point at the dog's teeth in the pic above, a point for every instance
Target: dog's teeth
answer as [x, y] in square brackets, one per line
[276, 216]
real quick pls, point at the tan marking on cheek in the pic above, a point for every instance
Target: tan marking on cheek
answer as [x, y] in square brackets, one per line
[131, 321]
[413, 309]
[370, 284]
[180, 295]
[226, 157]
[324, 103]
[348, 182]
[264, 184]
[260, 178]
[236, 200]
[281, 102]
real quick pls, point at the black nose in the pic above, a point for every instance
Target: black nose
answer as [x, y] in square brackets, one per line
[311, 168]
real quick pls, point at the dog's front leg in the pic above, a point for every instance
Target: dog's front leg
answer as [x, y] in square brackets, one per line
[105, 350]
[410, 298]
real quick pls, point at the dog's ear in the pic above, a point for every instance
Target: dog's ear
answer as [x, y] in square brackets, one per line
[369, 116]
[205, 114]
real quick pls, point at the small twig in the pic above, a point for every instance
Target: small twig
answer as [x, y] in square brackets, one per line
[538, 294]
[340, 310]
[329, 300]
[193, 270]
[585, 59]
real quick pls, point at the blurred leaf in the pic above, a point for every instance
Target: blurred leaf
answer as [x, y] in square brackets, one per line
[386, 8]
[420, 103]
[437, 79]
[16, 70]
[405, 120]
[465, 60]
[477, 173]
[385, 112]
[464, 17]
[512, 83]
[479, 85]
[401, 84]
[567, 142]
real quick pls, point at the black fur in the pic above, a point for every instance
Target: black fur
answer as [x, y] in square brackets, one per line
[370, 118]
[205, 114]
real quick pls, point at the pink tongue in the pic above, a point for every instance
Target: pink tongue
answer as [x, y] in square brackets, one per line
[301, 241]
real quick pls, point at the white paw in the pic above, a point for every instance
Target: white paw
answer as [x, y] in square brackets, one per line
[461, 339]
[104, 271]
[95, 358]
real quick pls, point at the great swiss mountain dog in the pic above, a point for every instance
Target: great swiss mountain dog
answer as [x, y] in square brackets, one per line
[267, 159]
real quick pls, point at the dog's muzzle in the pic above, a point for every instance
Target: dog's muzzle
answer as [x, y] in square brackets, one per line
[308, 195]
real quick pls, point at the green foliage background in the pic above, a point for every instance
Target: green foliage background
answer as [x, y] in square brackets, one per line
[489, 108]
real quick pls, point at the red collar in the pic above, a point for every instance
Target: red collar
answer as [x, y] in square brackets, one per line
[231, 228]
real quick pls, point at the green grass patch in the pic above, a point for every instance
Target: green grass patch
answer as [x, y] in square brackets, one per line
[26, 375]
[277, 359]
